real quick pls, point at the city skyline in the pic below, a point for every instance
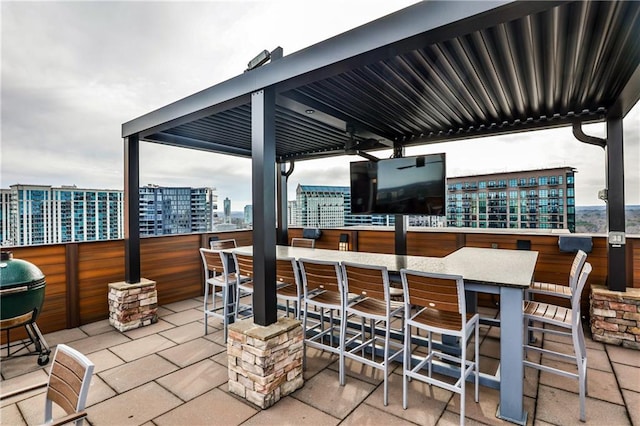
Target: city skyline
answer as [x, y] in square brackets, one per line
[72, 73]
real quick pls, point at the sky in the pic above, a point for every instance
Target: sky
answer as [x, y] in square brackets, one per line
[73, 72]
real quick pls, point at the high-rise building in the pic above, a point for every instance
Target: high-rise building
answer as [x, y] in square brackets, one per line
[292, 213]
[248, 214]
[227, 210]
[42, 214]
[325, 207]
[5, 215]
[176, 210]
[542, 199]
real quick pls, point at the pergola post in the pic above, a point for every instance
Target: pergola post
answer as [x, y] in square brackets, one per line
[263, 166]
[617, 267]
[132, 209]
[282, 199]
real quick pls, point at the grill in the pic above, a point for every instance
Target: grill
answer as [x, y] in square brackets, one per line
[22, 286]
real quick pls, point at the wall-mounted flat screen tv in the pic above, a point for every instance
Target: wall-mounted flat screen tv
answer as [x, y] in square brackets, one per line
[409, 185]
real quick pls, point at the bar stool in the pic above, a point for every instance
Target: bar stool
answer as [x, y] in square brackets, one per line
[288, 286]
[322, 290]
[435, 303]
[244, 280]
[217, 275]
[561, 319]
[559, 290]
[366, 296]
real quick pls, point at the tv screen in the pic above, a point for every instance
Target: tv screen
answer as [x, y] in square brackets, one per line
[408, 185]
[363, 186]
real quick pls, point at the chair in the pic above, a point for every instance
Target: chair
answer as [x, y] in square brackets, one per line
[68, 386]
[288, 283]
[223, 244]
[303, 242]
[366, 296]
[561, 319]
[244, 280]
[559, 290]
[217, 275]
[435, 303]
[322, 289]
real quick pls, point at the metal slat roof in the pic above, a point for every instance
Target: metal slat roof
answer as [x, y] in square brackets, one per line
[434, 71]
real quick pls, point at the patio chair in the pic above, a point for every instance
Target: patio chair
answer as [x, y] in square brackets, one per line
[222, 244]
[370, 301]
[557, 320]
[288, 284]
[435, 303]
[244, 281]
[560, 290]
[322, 289]
[68, 386]
[217, 276]
[303, 242]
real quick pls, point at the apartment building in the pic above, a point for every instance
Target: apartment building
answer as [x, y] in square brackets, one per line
[324, 207]
[42, 214]
[534, 199]
[176, 210]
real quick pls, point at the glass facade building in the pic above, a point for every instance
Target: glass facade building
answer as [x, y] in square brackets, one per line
[40, 214]
[176, 210]
[533, 199]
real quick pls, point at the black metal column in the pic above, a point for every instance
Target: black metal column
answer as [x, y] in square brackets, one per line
[263, 166]
[132, 209]
[282, 225]
[401, 221]
[401, 234]
[617, 268]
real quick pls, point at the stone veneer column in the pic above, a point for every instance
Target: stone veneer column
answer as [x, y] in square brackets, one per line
[133, 305]
[265, 363]
[615, 316]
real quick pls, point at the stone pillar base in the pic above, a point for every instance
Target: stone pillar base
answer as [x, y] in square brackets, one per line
[615, 316]
[265, 363]
[133, 305]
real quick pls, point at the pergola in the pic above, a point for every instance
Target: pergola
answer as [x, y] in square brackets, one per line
[435, 71]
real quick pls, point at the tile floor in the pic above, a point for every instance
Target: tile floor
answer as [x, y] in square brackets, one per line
[169, 373]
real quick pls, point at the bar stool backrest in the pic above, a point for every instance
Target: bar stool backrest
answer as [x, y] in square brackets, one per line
[577, 294]
[434, 291]
[223, 244]
[287, 271]
[213, 261]
[576, 268]
[322, 275]
[303, 242]
[368, 281]
[69, 381]
[244, 264]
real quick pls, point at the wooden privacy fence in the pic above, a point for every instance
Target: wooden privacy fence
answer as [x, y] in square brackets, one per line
[78, 274]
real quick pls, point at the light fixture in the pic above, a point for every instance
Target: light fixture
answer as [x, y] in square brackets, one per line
[259, 60]
[309, 111]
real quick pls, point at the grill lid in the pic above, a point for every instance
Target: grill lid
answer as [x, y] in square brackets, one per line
[16, 272]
